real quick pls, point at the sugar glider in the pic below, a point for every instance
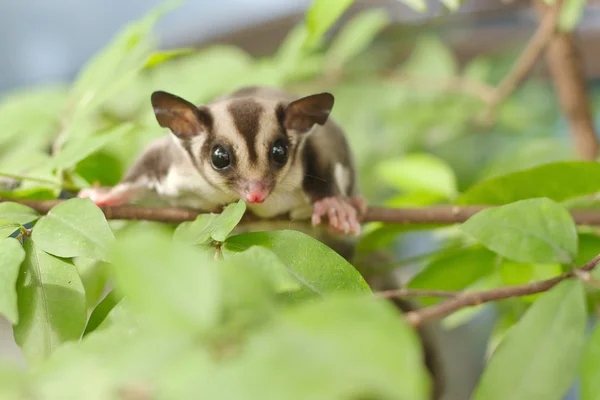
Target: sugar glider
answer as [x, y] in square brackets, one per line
[282, 154]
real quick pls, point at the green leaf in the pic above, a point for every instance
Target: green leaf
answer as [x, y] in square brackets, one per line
[528, 364]
[419, 173]
[526, 154]
[100, 315]
[570, 14]
[111, 70]
[590, 376]
[414, 199]
[7, 228]
[160, 57]
[291, 51]
[81, 147]
[532, 231]
[192, 77]
[11, 257]
[109, 364]
[51, 301]
[342, 346]
[270, 265]
[318, 268]
[17, 213]
[431, 59]
[74, 228]
[557, 181]
[13, 382]
[211, 226]
[513, 273]
[355, 37]
[227, 220]
[94, 275]
[454, 271]
[589, 247]
[321, 16]
[453, 5]
[505, 321]
[35, 111]
[40, 193]
[177, 285]
[102, 168]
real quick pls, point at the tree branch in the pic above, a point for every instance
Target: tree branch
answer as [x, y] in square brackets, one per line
[526, 60]
[569, 81]
[475, 298]
[403, 292]
[436, 215]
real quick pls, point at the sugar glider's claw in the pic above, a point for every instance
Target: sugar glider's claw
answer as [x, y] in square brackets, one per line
[341, 213]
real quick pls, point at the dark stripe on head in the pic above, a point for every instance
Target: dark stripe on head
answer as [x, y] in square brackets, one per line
[187, 145]
[246, 117]
[280, 113]
[205, 116]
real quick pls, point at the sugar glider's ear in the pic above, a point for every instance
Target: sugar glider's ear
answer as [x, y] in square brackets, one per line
[183, 118]
[302, 114]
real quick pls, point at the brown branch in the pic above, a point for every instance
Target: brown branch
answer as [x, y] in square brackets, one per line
[567, 74]
[436, 215]
[403, 292]
[526, 60]
[475, 298]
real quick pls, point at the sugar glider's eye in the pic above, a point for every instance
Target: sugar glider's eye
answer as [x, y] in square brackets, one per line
[220, 157]
[279, 152]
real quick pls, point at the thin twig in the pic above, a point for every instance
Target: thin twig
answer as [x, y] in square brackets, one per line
[567, 74]
[435, 215]
[475, 298]
[526, 60]
[586, 276]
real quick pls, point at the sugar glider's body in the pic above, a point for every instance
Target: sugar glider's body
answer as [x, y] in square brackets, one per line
[254, 127]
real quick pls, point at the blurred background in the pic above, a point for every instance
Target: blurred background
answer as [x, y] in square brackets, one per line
[409, 88]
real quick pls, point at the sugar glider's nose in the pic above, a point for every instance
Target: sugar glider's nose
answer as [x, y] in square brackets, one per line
[255, 191]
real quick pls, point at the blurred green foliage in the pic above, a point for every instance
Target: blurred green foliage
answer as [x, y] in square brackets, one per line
[196, 312]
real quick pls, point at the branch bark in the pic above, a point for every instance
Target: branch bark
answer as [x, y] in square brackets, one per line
[436, 215]
[526, 60]
[567, 74]
[475, 298]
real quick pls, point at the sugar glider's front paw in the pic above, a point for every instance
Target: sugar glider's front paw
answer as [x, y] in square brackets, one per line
[341, 213]
[102, 196]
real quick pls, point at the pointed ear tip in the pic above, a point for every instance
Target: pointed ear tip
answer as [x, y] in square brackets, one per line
[156, 96]
[329, 97]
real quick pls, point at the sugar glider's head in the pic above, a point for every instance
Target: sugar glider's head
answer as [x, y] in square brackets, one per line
[246, 145]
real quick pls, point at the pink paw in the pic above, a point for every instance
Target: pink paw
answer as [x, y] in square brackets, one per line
[101, 196]
[341, 213]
